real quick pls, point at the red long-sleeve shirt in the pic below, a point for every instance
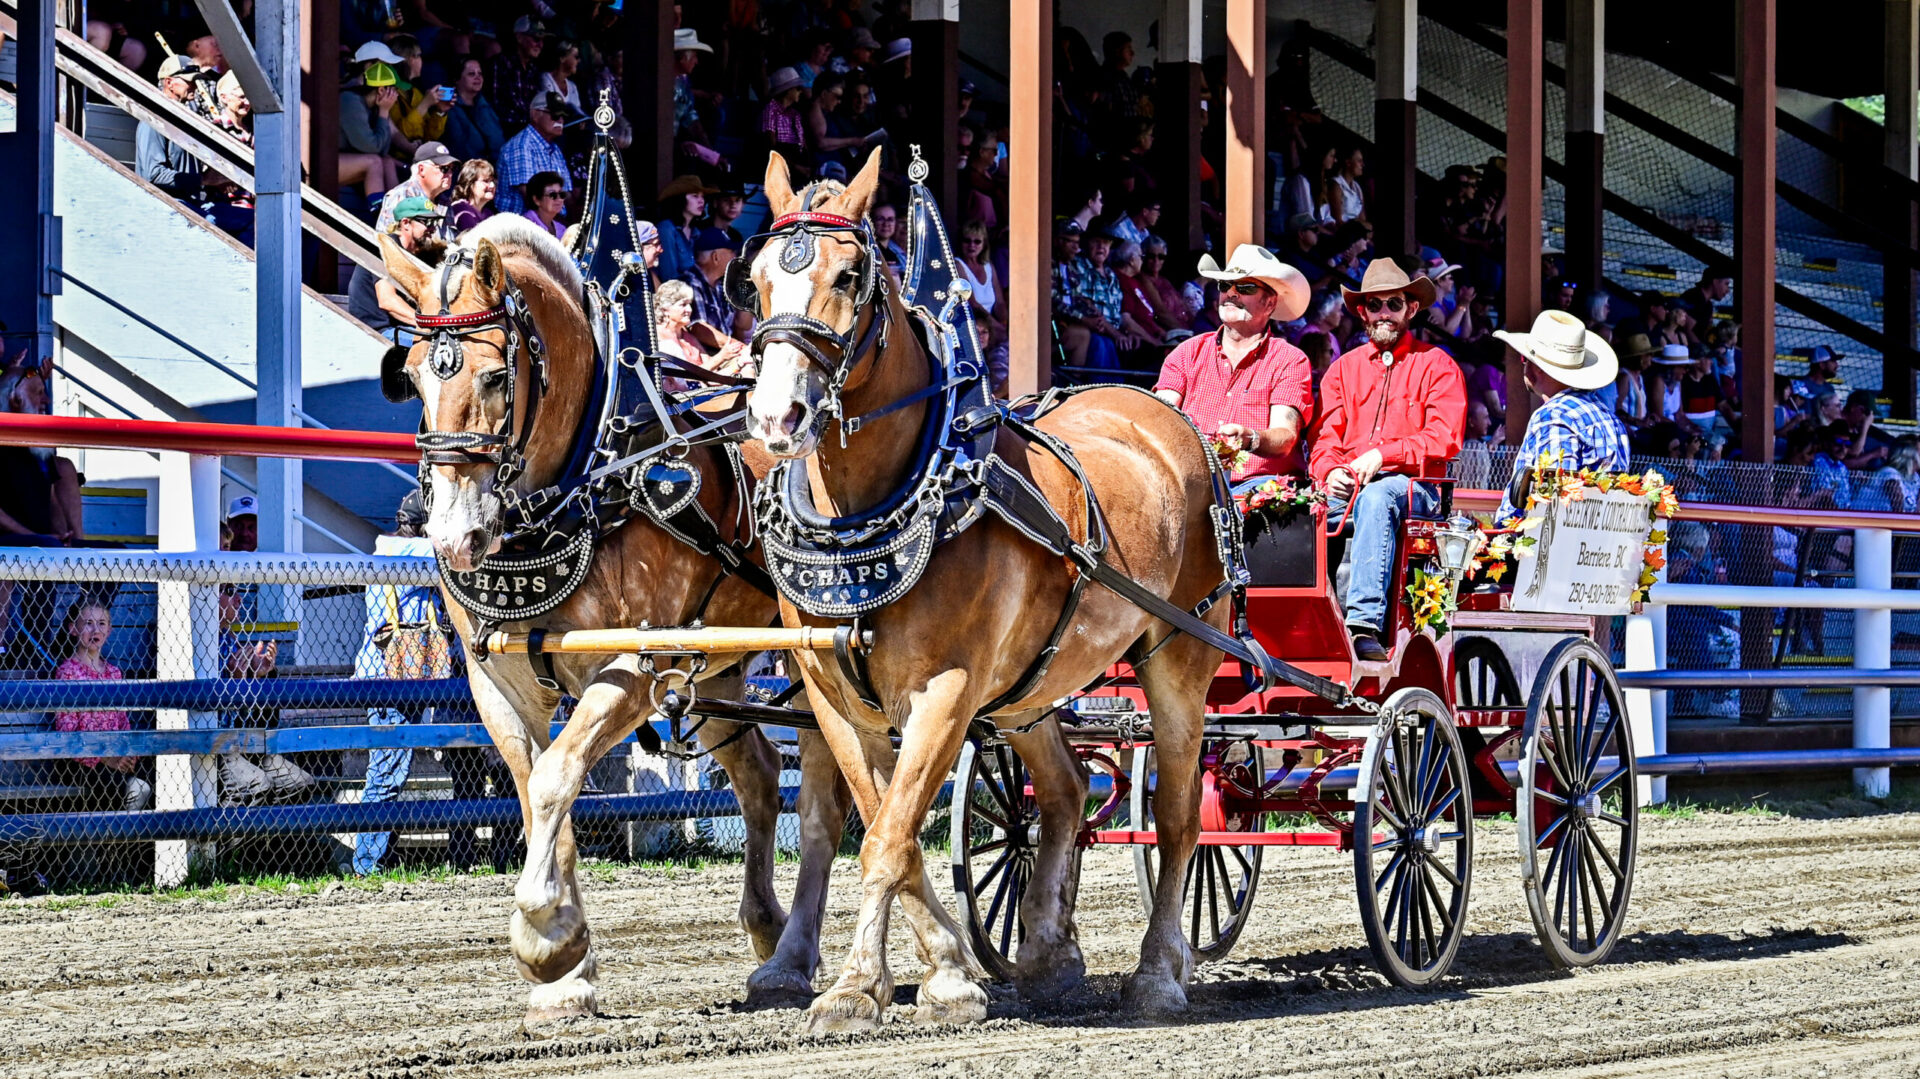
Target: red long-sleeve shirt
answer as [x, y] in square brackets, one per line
[1413, 410]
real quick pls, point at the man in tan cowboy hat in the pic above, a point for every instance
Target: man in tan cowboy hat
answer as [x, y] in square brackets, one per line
[1565, 365]
[1392, 414]
[1244, 384]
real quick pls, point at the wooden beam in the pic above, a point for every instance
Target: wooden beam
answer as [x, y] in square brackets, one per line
[646, 89]
[320, 112]
[1246, 165]
[935, 88]
[1899, 311]
[1526, 76]
[1396, 27]
[1586, 128]
[1177, 84]
[1754, 216]
[1030, 198]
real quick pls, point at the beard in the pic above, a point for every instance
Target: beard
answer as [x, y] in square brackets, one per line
[1384, 334]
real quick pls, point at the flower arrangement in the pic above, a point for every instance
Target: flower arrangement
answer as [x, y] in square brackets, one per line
[1278, 497]
[1554, 482]
[1232, 457]
[1432, 597]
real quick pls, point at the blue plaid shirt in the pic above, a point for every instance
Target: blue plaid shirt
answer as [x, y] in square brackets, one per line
[524, 156]
[1584, 431]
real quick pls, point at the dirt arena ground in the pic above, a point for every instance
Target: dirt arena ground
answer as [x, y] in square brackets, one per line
[1760, 947]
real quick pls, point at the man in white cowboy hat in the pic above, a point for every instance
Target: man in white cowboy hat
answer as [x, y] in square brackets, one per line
[1393, 412]
[1244, 384]
[1565, 366]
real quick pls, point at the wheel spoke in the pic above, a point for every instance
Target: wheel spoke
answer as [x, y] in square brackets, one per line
[1614, 818]
[1246, 867]
[1440, 867]
[1592, 763]
[1440, 903]
[1392, 842]
[1012, 919]
[998, 864]
[1194, 887]
[1430, 767]
[1447, 800]
[999, 897]
[1387, 814]
[1428, 903]
[991, 817]
[1549, 796]
[979, 849]
[1586, 892]
[1393, 864]
[1550, 753]
[1606, 856]
[1590, 862]
[1216, 876]
[1612, 778]
[1547, 833]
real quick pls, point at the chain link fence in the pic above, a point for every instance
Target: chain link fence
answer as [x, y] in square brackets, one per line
[284, 696]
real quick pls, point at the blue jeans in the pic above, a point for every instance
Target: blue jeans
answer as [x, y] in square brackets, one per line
[1375, 525]
[387, 771]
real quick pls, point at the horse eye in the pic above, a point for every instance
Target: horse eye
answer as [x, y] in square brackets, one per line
[847, 280]
[493, 378]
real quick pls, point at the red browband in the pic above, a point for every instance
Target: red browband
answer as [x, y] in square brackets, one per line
[460, 322]
[809, 217]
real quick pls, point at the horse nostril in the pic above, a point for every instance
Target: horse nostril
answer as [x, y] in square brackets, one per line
[792, 422]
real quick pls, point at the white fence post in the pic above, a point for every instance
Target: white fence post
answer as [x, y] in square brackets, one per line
[1872, 650]
[1644, 652]
[188, 646]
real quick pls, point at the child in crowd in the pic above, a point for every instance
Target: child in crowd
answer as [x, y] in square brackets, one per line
[89, 623]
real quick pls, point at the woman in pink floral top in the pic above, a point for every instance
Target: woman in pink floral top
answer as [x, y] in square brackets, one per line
[89, 622]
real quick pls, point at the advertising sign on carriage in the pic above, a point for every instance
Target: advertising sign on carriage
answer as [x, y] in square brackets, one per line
[1588, 554]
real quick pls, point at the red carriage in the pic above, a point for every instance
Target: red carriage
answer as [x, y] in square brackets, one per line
[1498, 712]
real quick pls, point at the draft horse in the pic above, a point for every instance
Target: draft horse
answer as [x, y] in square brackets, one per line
[840, 368]
[515, 299]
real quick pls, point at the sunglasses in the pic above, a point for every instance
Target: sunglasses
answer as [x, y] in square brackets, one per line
[1246, 288]
[553, 194]
[1376, 304]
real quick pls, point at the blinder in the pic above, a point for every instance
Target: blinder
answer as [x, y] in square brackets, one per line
[395, 384]
[738, 285]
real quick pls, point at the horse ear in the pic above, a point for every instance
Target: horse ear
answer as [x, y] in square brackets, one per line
[489, 274]
[779, 185]
[858, 196]
[409, 274]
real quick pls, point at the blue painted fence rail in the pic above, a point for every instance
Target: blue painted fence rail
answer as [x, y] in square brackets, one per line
[214, 694]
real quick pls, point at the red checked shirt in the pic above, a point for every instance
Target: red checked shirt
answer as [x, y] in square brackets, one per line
[1410, 405]
[1214, 391]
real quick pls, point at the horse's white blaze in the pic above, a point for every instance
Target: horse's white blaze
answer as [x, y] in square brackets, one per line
[786, 378]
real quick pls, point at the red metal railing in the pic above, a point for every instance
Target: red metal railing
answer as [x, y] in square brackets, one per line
[213, 439]
[80, 432]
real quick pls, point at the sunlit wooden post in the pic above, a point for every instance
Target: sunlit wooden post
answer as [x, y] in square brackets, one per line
[1246, 178]
[1030, 198]
[1525, 140]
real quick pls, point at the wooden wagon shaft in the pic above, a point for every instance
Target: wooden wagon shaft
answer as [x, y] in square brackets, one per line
[718, 640]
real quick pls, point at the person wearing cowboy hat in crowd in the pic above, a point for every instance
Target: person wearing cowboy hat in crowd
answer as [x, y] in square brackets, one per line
[1670, 363]
[1630, 389]
[1244, 384]
[682, 202]
[1566, 366]
[781, 124]
[1392, 414]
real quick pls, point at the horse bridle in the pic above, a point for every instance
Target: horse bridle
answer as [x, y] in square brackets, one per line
[834, 353]
[446, 355]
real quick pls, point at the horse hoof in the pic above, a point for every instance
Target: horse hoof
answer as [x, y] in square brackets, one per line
[1153, 996]
[549, 1016]
[843, 1012]
[569, 998]
[1051, 975]
[950, 997]
[778, 987]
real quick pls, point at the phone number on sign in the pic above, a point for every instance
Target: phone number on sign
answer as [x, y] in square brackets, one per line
[1582, 593]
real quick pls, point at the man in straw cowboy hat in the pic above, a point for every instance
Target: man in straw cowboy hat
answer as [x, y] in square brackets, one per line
[1392, 414]
[1243, 383]
[1565, 366]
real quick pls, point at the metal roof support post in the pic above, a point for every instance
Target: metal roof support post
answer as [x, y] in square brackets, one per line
[1030, 199]
[1526, 177]
[1872, 649]
[29, 231]
[1246, 172]
[1899, 311]
[1396, 35]
[187, 645]
[1586, 137]
[1177, 84]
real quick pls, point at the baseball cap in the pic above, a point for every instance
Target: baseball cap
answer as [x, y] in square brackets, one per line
[711, 240]
[644, 232]
[555, 105]
[527, 24]
[413, 509]
[375, 50]
[898, 49]
[1302, 222]
[435, 152]
[1823, 354]
[229, 84]
[1069, 227]
[415, 206]
[380, 74]
[833, 170]
[180, 67]
[244, 506]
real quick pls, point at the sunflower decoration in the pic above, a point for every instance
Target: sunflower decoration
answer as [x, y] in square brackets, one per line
[1432, 597]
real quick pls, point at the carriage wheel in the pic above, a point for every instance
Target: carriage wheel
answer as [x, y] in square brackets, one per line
[1577, 805]
[1482, 676]
[1221, 880]
[1413, 840]
[996, 836]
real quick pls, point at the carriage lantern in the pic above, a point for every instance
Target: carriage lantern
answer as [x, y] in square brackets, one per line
[1457, 541]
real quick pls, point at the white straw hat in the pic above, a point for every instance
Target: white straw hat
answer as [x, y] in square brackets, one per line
[1673, 355]
[1259, 264]
[1560, 345]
